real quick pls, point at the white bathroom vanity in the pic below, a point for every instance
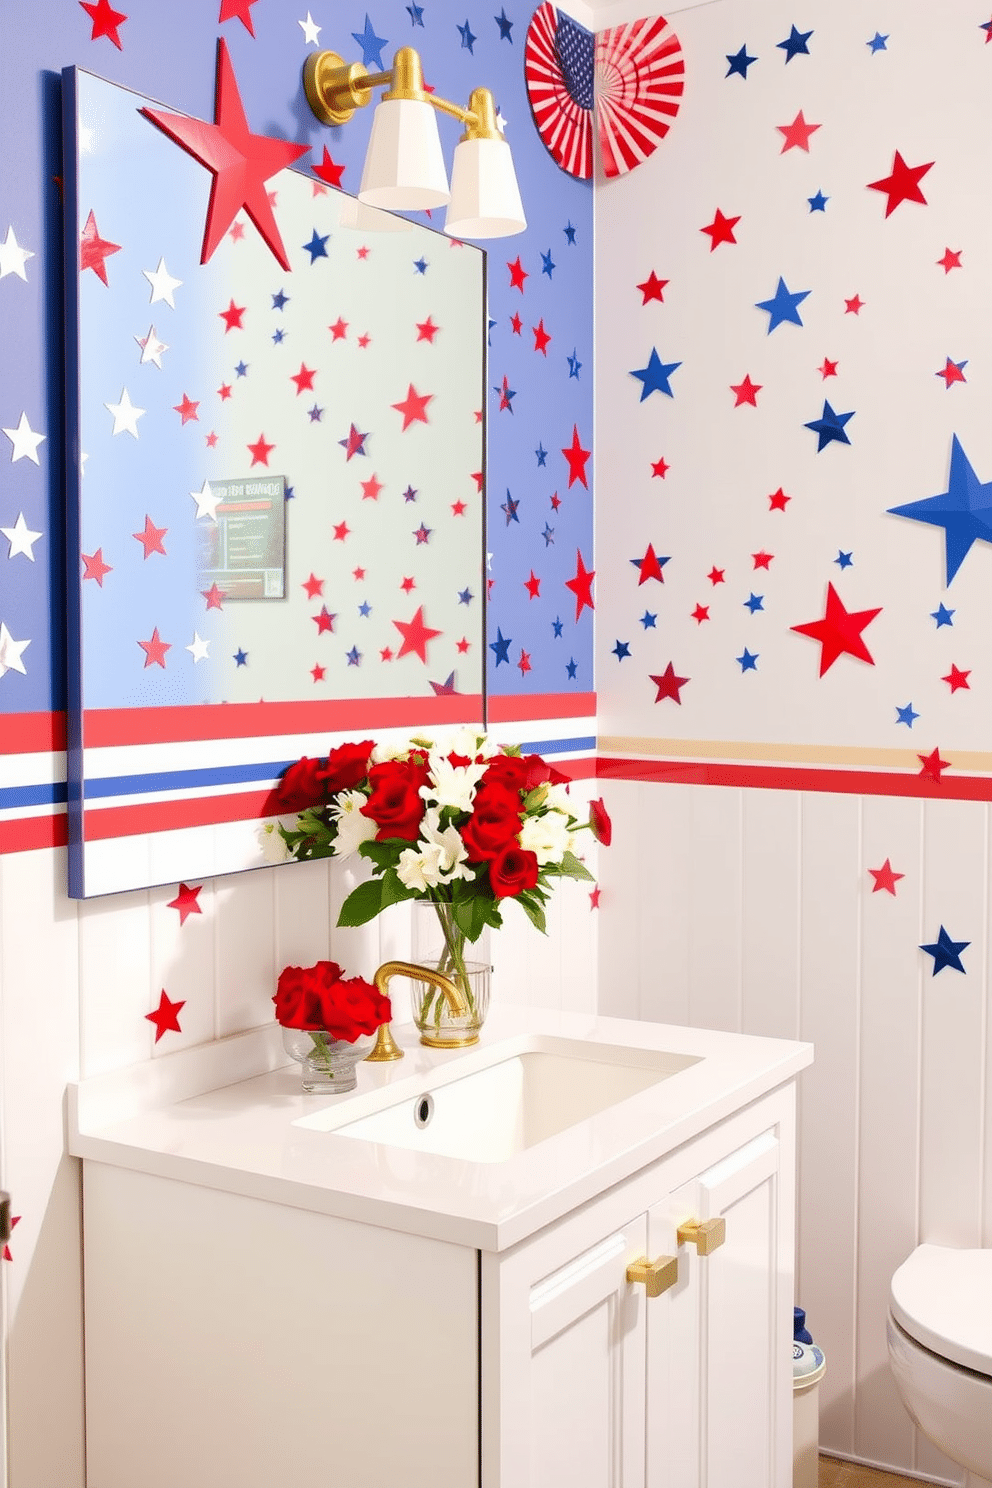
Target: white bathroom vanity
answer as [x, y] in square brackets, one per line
[563, 1256]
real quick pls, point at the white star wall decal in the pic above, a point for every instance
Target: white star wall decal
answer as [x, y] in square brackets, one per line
[10, 652]
[25, 441]
[125, 414]
[13, 257]
[162, 284]
[21, 538]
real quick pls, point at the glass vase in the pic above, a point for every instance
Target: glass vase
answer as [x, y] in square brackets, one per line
[328, 1065]
[438, 943]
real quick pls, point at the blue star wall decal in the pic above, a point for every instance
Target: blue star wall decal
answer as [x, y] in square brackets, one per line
[844, 560]
[572, 668]
[794, 44]
[548, 265]
[754, 602]
[655, 376]
[877, 42]
[416, 13]
[279, 300]
[371, 46]
[946, 952]
[942, 615]
[964, 510]
[241, 658]
[906, 715]
[500, 647]
[830, 426]
[541, 454]
[648, 620]
[569, 232]
[505, 26]
[317, 246]
[818, 203]
[747, 662]
[739, 63]
[783, 306]
[468, 40]
[621, 649]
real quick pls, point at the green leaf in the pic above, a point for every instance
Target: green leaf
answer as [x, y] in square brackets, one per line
[534, 912]
[362, 904]
[394, 891]
[572, 868]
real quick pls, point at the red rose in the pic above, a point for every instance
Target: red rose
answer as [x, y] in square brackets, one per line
[321, 997]
[600, 823]
[494, 824]
[513, 871]
[539, 772]
[346, 766]
[507, 770]
[301, 786]
[297, 999]
[353, 1007]
[395, 804]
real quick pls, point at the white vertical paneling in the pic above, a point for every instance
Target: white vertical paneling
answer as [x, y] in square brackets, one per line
[624, 898]
[302, 914]
[712, 858]
[355, 948]
[244, 909]
[888, 1150]
[665, 824]
[115, 986]
[828, 1016]
[770, 913]
[182, 963]
[39, 1056]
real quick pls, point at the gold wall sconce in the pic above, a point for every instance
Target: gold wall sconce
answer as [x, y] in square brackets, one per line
[404, 167]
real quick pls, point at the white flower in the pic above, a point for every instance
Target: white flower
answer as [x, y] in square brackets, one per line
[273, 845]
[352, 827]
[452, 785]
[384, 752]
[438, 858]
[546, 836]
[559, 799]
[468, 742]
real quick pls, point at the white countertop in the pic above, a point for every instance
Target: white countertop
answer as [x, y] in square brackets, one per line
[206, 1116]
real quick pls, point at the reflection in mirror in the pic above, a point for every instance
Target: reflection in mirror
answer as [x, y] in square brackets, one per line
[278, 534]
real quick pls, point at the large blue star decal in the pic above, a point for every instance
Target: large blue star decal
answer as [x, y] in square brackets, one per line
[371, 46]
[946, 952]
[783, 306]
[964, 510]
[794, 44]
[655, 376]
[830, 426]
[739, 63]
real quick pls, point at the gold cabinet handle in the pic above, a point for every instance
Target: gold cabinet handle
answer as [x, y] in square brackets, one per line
[706, 1235]
[657, 1275]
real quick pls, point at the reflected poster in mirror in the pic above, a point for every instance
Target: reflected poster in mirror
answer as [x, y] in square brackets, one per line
[275, 488]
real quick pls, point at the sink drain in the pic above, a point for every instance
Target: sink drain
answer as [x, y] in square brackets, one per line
[423, 1110]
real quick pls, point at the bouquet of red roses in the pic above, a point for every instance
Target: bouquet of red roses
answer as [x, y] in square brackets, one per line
[321, 999]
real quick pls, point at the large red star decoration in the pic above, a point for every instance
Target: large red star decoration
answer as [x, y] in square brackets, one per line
[839, 631]
[415, 635]
[105, 20]
[187, 901]
[166, 1016]
[933, 765]
[885, 878]
[328, 171]
[240, 162]
[94, 250]
[581, 585]
[669, 685]
[902, 183]
[721, 229]
[413, 408]
[796, 135]
[576, 457]
[240, 10]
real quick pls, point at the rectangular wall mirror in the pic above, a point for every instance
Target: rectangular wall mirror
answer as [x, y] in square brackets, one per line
[275, 493]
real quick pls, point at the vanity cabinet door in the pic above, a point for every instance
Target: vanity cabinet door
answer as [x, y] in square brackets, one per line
[569, 1349]
[719, 1362]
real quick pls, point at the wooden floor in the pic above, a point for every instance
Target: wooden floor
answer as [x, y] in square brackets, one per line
[837, 1474]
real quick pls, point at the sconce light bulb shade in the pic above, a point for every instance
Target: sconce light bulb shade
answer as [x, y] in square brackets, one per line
[404, 168]
[485, 197]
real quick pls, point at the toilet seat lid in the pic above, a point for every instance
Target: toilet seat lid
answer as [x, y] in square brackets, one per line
[943, 1298]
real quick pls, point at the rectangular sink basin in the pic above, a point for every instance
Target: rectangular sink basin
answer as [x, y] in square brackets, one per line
[514, 1101]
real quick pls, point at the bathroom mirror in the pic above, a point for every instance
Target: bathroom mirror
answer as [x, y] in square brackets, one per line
[275, 492]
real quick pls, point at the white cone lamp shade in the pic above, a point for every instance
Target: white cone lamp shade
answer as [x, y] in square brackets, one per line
[404, 167]
[485, 198]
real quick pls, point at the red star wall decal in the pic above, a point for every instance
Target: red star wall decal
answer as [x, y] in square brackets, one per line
[328, 171]
[240, 10]
[885, 878]
[716, 576]
[901, 184]
[105, 20]
[650, 566]
[839, 631]
[303, 379]
[660, 468]
[933, 765]
[541, 337]
[415, 635]
[517, 274]
[317, 673]
[324, 621]
[652, 288]
[827, 368]
[187, 410]
[576, 457]
[854, 305]
[426, 330]
[166, 1016]
[95, 568]
[214, 597]
[155, 649]
[746, 391]
[581, 585]
[533, 585]
[700, 613]
[721, 229]
[796, 135]
[260, 451]
[413, 408]
[957, 678]
[777, 500]
[669, 685]
[151, 538]
[240, 162]
[232, 317]
[187, 902]
[94, 250]
[951, 259]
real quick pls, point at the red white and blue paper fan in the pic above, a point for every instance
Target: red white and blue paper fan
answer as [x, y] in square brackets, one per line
[559, 62]
[639, 81]
[630, 77]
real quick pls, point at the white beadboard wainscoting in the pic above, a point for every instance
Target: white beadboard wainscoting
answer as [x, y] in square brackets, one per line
[76, 982]
[754, 910]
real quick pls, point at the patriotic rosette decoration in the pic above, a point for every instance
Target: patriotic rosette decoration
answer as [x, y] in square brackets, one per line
[629, 79]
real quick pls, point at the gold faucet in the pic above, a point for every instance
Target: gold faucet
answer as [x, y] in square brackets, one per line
[386, 1046]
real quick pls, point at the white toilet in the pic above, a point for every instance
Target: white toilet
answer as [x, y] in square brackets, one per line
[940, 1349]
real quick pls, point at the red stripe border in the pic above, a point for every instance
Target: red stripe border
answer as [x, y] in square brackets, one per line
[790, 778]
